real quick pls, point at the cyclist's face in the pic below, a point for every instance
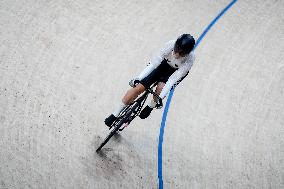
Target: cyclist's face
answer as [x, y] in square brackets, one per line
[178, 52]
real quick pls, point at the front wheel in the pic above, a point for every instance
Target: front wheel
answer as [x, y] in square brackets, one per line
[112, 132]
[117, 126]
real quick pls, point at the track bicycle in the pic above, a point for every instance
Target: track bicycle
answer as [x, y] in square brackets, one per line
[129, 113]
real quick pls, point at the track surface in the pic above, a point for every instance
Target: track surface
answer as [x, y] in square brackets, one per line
[64, 66]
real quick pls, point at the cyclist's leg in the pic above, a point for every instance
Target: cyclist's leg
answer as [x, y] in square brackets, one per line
[158, 90]
[128, 98]
[152, 104]
[163, 77]
[132, 94]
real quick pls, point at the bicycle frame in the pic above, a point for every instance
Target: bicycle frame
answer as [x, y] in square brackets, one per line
[140, 100]
[128, 114]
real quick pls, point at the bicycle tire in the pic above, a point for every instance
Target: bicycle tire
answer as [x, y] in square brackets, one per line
[116, 128]
[108, 137]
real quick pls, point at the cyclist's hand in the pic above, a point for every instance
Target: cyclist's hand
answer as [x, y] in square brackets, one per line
[159, 104]
[134, 82]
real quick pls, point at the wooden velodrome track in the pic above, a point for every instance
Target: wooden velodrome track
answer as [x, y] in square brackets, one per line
[65, 65]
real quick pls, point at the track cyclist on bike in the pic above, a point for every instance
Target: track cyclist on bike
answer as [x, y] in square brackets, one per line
[168, 68]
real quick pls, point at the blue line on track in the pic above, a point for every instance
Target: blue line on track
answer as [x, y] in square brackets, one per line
[165, 113]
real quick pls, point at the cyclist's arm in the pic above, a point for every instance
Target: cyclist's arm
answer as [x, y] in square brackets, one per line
[176, 76]
[156, 60]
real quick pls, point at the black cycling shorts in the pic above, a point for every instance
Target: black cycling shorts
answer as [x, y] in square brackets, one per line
[160, 74]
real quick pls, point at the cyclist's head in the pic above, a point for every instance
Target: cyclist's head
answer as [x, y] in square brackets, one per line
[184, 44]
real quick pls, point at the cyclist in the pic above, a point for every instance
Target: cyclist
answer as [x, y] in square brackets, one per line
[168, 68]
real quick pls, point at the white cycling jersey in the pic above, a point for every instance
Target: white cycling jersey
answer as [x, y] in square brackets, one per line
[183, 65]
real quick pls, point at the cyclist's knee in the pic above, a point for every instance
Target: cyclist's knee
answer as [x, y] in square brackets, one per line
[139, 89]
[159, 87]
[133, 93]
[136, 91]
